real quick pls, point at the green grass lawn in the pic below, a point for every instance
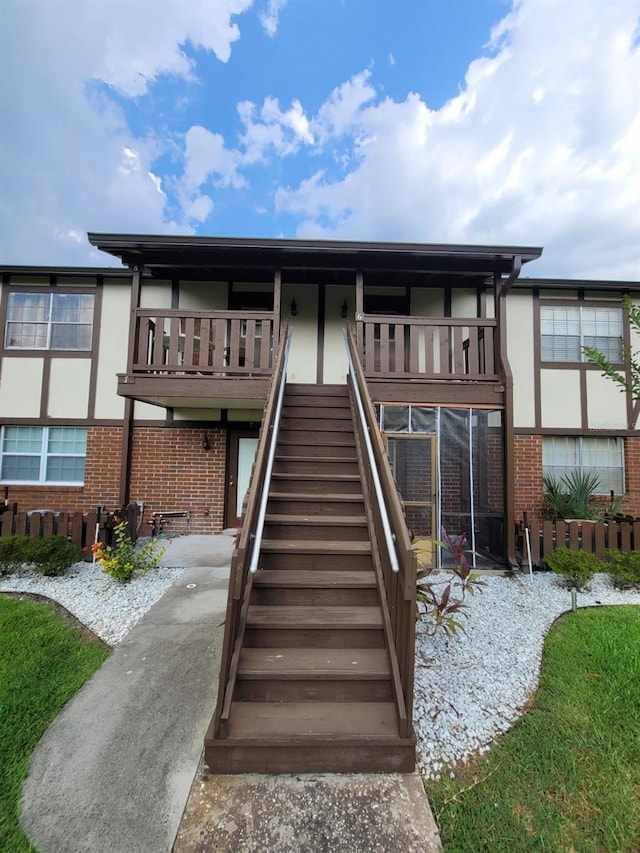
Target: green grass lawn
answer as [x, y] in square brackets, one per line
[44, 660]
[567, 776]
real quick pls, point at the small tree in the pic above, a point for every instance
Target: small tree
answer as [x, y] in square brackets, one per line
[631, 381]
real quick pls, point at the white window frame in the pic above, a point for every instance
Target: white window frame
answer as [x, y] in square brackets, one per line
[44, 456]
[582, 311]
[50, 323]
[581, 454]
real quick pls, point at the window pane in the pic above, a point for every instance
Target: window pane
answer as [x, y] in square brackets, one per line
[72, 308]
[611, 348]
[423, 420]
[602, 456]
[74, 337]
[67, 440]
[28, 307]
[28, 335]
[65, 469]
[21, 468]
[557, 348]
[22, 439]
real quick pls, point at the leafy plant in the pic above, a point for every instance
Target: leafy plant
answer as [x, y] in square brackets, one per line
[53, 555]
[13, 553]
[572, 495]
[624, 569]
[123, 561]
[444, 607]
[631, 380]
[576, 567]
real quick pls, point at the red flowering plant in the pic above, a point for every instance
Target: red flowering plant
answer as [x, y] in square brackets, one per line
[444, 607]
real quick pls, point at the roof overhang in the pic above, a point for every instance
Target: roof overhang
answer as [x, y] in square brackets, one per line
[184, 256]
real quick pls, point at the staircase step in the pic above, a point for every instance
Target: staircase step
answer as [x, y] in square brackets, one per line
[327, 503]
[301, 446]
[316, 483]
[314, 580]
[304, 546]
[334, 426]
[315, 465]
[314, 618]
[316, 528]
[322, 410]
[263, 721]
[365, 664]
[309, 400]
[312, 435]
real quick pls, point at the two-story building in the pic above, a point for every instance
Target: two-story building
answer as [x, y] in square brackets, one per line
[147, 382]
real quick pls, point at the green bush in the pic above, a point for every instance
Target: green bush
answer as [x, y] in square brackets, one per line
[13, 553]
[123, 560]
[576, 567]
[53, 555]
[624, 569]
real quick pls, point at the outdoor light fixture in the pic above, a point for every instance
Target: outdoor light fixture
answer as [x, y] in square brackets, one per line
[294, 307]
[345, 308]
[205, 441]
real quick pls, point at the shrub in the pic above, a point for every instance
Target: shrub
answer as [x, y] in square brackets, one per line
[624, 569]
[123, 561]
[53, 555]
[13, 553]
[572, 495]
[576, 567]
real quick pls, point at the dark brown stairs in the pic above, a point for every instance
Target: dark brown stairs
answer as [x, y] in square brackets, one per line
[315, 690]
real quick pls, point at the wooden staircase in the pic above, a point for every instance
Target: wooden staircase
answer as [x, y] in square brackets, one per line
[314, 686]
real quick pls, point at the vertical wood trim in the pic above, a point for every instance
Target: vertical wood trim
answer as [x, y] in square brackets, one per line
[482, 302]
[134, 305]
[44, 391]
[277, 306]
[584, 412]
[175, 293]
[6, 280]
[537, 384]
[322, 307]
[508, 431]
[632, 411]
[447, 301]
[95, 347]
[125, 461]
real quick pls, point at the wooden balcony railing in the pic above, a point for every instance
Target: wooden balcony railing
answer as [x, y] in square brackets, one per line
[204, 342]
[427, 347]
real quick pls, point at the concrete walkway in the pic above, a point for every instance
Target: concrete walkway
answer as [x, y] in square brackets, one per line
[114, 772]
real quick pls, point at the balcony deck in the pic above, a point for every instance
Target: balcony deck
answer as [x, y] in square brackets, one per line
[184, 358]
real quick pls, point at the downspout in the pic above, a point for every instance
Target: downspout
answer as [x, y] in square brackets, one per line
[502, 288]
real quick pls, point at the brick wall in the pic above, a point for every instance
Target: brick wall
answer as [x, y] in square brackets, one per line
[528, 468]
[101, 480]
[170, 471]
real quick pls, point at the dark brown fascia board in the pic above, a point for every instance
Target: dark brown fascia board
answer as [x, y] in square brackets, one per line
[132, 246]
[107, 272]
[577, 284]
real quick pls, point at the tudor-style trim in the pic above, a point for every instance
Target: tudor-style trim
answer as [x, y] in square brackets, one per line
[322, 308]
[95, 347]
[44, 388]
[537, 379]
[594, 433]
[127, 423]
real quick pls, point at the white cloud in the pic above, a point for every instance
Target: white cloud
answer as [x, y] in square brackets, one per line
[540, 147]
[68, 161]
[270, 17]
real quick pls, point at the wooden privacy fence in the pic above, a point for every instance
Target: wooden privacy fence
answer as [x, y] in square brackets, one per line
[594, 537]
[78, 527]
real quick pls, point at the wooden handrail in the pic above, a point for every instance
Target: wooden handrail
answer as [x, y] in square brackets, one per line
[400, 587]
[241, 580]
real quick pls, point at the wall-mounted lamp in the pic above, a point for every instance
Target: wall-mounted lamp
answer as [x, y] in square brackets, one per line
[205, 441]
[345, 308]
[294, 307]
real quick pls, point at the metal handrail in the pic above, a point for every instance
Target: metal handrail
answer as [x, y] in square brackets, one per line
[266, 483]
[388, 535]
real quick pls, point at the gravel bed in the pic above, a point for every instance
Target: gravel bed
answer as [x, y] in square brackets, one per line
[468, 688]
[471, 687]
[110, 609]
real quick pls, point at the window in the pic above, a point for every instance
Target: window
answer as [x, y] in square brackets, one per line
[566, 329]
[602, 456]
[43, 454]
[61, 321]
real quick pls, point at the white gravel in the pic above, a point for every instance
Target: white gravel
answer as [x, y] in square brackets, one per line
[468, 688]
[471, 687]
[110, 609]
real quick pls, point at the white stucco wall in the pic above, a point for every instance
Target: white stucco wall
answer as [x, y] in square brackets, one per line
[560, 392]
[304, 344]
[69, 388]
[21, 387]
[520, 343]
[112, 356]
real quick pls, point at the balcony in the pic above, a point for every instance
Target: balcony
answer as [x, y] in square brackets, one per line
[200, 359]
[459, 354]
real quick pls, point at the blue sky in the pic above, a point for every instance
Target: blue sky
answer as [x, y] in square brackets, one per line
[468, 121]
